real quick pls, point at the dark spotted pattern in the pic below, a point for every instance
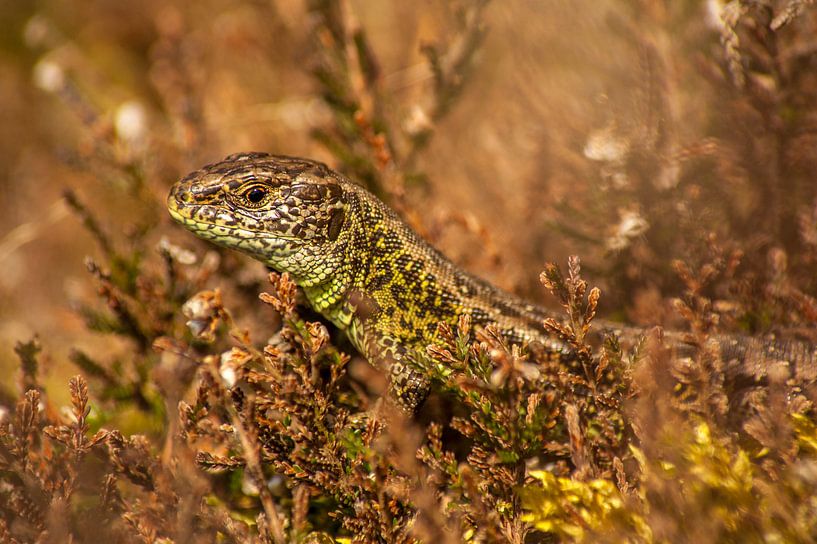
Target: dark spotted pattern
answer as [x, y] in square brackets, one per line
[361, 266]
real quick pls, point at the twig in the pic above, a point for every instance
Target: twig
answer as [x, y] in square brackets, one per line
[250, 446]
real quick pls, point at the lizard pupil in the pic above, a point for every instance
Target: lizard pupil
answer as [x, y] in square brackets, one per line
[255, 195]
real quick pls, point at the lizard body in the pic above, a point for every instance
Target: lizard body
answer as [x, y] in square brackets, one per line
[369, 273]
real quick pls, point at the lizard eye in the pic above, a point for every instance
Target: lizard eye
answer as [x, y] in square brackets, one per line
[255, 195]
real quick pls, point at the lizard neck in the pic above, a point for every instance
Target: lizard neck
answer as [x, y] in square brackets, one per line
[331, 289]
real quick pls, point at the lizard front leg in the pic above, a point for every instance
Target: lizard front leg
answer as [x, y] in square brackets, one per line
[408, 386]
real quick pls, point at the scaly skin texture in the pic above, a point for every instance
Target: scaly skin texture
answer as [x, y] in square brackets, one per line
[367, 272]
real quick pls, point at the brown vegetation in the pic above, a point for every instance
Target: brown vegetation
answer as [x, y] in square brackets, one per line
[671, 144]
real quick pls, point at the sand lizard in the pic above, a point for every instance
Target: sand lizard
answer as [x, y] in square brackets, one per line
[370, 274]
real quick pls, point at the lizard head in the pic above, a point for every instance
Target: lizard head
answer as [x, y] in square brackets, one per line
[281, 210]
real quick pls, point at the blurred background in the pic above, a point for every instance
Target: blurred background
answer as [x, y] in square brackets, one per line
[671, 145]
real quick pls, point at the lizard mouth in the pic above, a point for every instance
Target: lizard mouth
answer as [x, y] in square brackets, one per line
[222, 226]
[175, 211]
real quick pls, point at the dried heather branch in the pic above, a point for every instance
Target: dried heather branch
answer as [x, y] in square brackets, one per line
[90, 222]
[730, 16]
[251, 448]
[450, 67]
[27, 353]
[75, 436]
[792, 10]
[129, 319]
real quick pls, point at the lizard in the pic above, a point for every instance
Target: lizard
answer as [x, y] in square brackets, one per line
[366, 271]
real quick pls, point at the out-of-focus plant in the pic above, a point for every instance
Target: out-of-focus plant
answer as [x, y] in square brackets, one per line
[248, 424]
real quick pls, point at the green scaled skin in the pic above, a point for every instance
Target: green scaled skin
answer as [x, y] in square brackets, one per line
[358, 263]
[367, 272]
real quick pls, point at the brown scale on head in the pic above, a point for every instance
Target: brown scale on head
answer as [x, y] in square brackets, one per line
[278, 209]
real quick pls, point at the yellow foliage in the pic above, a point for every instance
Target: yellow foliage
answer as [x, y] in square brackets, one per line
[572, 509]
[707, 475]
[805, 430]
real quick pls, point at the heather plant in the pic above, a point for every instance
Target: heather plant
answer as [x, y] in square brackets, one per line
[203, 414]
